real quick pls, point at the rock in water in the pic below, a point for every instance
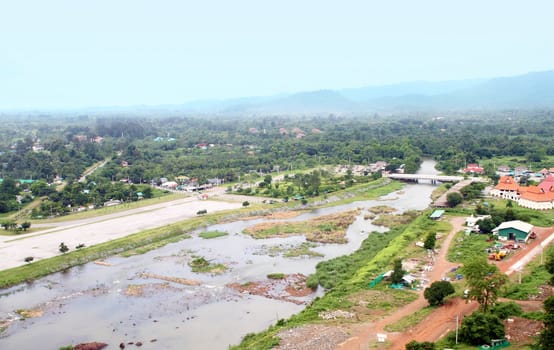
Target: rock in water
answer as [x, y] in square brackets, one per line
[90, 346]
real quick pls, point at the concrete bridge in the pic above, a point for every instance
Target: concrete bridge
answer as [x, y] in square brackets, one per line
[432, 178]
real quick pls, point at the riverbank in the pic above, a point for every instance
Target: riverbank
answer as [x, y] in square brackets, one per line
[153, 227]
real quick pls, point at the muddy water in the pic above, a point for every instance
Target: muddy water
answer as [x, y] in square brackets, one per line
[89, 302]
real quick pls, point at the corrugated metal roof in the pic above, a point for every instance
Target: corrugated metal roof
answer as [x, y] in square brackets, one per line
[517, 224]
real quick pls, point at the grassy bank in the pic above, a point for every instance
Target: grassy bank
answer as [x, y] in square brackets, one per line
[347, 278]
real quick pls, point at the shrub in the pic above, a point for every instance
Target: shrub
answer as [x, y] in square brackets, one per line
[63, 248]
[276, 276]
[479, 328]
[505, 310]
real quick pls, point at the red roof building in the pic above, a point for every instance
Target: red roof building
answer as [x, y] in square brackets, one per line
[474, 169]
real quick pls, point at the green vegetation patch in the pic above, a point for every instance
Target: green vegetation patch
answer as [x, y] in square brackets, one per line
[382, 209]
[534, 275]
[276, 276]
[303, 249]
[464, 248]
[201, 265]
[390, 220]
[325, 229]
[375, 302]
[212, 234]
[410, 320]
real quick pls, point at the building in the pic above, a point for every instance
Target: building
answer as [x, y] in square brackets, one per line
[515, 230]
[507, 188]
[471, 221]
[539, 197]
[437, 214]
[474, 169]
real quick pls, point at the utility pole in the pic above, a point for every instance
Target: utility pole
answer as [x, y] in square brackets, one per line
[457, 316]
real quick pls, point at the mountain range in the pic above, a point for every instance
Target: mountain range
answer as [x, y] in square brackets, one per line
[531, 90]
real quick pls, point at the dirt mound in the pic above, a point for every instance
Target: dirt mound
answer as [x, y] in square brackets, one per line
[90, 346]
[291, 288]
[311, 337]
[522, 330]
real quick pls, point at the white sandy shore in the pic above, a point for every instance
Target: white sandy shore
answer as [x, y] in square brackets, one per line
[45, 244]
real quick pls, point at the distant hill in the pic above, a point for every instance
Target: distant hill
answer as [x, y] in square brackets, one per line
[532, 90]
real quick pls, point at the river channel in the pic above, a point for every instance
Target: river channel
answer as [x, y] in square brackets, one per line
[92, 303]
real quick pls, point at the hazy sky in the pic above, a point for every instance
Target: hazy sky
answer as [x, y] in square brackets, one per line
[71, 53]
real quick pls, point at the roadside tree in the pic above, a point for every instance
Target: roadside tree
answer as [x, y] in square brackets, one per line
[484, 281]
[453, 199]
[480, 328]
[438, 290]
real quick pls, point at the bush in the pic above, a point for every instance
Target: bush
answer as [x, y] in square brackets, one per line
[245, 203]
[479, 328]
[63, 248]
[453, 199]
[505, 310]
[438, 290]
[415, 345]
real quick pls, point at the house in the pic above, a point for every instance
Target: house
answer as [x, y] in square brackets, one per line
[170, 184]
[474, 168]
[437, 214]
[515, 230]
[471, 221]
[97, 139]
[504, 169]
[520, 170]
[507, 188]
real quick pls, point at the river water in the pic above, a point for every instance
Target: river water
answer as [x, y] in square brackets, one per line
[88, 303]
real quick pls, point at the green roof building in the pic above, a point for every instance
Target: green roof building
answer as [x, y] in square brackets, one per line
[515, 230]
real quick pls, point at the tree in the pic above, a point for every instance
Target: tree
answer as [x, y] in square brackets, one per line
[147, 192]
[26, 225]
[546, 339]
[480, 328]
[415, 345]
[486, 225]
[484, 281]
[8, 224]
[63, 248]
[438, 290]
[397, 272]
[453, 199]
[430, 241]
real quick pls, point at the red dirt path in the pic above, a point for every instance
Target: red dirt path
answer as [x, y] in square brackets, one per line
[443, 319]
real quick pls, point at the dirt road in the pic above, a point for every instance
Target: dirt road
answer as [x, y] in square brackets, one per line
[443, 319]
[368, 332]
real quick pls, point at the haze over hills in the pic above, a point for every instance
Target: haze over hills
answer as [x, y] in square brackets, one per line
[527, 91]
[532, 90]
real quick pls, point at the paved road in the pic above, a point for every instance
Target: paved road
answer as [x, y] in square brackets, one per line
[44, 244]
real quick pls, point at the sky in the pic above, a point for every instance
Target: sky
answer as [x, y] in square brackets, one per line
[77, 53]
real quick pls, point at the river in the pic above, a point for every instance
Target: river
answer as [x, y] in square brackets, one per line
[89, 302]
